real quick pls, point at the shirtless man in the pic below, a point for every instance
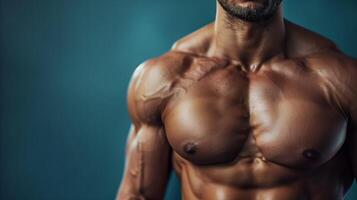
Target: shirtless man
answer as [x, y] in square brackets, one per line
[251, 106]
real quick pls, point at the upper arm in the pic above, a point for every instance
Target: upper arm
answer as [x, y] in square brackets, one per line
[350, 91]
[147, 164]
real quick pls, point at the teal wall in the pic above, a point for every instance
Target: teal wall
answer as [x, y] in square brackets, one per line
[65, 66]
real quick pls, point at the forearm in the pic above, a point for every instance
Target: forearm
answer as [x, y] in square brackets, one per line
[131, 191]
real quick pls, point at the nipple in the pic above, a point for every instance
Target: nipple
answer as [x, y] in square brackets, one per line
[190, 148]
[311, 154]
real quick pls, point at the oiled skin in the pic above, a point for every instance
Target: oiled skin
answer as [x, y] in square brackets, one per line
[283, 130]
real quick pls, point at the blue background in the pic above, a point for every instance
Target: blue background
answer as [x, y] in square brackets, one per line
[65, 66]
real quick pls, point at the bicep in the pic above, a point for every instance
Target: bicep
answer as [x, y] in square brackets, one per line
[147, 164]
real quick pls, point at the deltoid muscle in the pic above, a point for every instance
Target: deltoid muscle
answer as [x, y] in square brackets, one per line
[161, 92]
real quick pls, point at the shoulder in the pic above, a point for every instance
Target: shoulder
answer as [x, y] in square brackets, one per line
[321, 55]
[154, 72]
[301, 41]
[337, 73]
[151, 83]
[333, 64]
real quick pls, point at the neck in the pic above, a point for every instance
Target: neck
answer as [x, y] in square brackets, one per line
[246, 42]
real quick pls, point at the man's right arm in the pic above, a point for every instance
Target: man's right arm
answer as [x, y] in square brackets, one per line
[147, 164]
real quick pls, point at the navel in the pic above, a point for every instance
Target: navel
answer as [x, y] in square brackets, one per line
[190, 148]
[311, 154]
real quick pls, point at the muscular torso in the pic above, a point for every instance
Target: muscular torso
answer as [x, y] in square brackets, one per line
[273, 132]
[266, 131]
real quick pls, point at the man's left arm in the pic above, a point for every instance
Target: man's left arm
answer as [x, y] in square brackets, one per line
[350, 91]
[352, 138]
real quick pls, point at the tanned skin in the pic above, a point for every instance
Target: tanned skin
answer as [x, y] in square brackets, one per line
[244, 110]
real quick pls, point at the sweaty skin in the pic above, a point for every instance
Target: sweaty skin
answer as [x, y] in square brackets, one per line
[251, 111]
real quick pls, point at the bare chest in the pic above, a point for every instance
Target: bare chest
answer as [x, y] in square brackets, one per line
[224, 114]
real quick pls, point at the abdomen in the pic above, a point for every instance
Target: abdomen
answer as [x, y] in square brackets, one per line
[253, 179]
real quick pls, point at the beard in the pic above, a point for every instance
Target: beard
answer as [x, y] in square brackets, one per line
[257, 14]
